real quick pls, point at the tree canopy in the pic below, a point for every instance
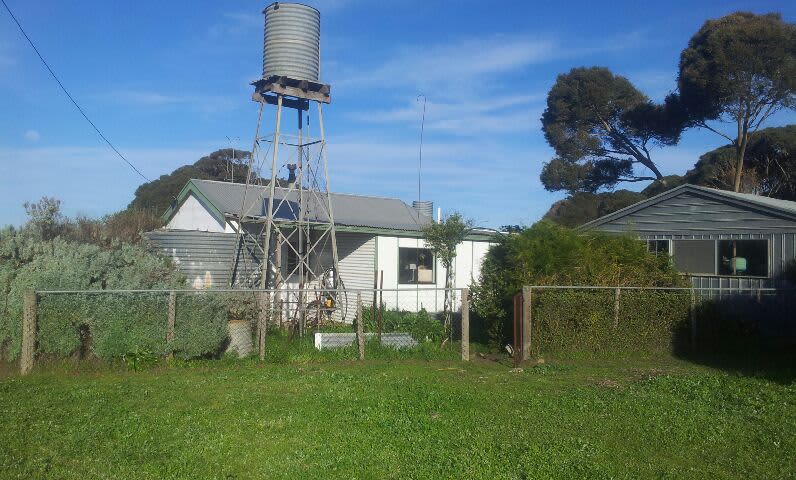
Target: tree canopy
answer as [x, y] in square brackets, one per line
[770, 171]
[770, 165]
[158, 194]
[582, 207]
[740, 69]
[601, 128]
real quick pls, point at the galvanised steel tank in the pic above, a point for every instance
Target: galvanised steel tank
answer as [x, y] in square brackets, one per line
[292, 43]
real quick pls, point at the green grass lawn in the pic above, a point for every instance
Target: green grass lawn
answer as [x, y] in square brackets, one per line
[620, 418]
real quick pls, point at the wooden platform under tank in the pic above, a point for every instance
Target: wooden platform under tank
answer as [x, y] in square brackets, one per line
[302, 90]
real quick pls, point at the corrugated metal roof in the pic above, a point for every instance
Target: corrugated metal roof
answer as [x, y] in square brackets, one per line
[350, 210]
[770, 205]
[767, 201]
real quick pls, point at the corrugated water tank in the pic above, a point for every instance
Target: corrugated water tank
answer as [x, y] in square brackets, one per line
[292, 42]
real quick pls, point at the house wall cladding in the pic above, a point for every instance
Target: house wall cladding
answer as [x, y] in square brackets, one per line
[204, 257]
[357, 254]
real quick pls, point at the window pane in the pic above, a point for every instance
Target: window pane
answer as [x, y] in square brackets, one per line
[695, 256]
[658, 246]
[743, 257]
[415, 265]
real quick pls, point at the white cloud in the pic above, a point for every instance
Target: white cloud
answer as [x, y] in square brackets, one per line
[498, 115]
[454, 65]
[32, 135]
[205, 104]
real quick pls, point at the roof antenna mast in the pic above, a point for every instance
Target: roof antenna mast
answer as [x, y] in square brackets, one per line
[420, 161]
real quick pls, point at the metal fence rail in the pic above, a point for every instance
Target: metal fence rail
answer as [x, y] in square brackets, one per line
[191, 322]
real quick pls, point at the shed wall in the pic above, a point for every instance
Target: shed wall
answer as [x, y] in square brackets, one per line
[690, 216]
[204, 257]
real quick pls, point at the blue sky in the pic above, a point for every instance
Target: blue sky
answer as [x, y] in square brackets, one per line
[168, 81]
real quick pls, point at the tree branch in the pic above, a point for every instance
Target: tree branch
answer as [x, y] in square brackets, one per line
[705, 125]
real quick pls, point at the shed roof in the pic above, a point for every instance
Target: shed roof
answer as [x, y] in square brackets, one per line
[769, 205]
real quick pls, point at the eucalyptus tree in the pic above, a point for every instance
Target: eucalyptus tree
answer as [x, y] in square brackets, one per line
[602, 129]
[738, 69]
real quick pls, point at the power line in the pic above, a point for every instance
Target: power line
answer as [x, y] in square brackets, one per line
[79, 109]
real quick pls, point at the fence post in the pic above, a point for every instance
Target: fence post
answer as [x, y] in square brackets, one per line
[29, 301]
[616, 307]
[262, 322]
[466, 324]
[360, 334]
[693, 319]
[172, 321]
[527, 319]
[381, 304]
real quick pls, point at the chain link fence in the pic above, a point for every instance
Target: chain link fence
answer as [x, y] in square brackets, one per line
[277, 325]
[580, 319]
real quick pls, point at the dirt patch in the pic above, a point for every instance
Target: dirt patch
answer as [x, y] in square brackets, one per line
[608, 383]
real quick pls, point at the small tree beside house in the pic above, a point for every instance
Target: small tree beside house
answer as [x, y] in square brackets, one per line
[443, 238]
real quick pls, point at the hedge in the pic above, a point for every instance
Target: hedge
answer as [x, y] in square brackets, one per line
[106, 324]
[583, 321]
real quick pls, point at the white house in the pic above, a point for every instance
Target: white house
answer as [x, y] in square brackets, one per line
[375, 236]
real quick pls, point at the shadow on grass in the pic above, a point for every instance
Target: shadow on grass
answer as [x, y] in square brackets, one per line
[770, 361]
[741, 334]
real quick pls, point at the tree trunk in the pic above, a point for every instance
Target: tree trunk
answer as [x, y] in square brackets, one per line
[448, 307]
[740, 151]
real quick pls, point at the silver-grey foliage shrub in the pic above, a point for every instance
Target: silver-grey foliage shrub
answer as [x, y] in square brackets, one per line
[111, 324]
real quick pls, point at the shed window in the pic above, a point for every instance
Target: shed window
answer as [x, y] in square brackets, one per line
[743, 257]
[695, 256]
[660, 247]
[415, 266]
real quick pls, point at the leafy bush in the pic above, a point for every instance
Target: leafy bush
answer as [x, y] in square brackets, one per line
[583, 321]
[549, 254]
[421, 325]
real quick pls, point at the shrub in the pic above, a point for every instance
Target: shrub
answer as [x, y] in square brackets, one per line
[201, 325]
[421, 325]
[582, 321]
[549, 254]
[111, 324]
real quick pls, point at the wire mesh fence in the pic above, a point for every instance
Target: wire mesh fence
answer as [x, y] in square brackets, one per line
[136, 325]
[570, 319]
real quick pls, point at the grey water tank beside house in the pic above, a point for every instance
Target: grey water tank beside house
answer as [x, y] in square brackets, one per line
[424, 207]
[292, 42]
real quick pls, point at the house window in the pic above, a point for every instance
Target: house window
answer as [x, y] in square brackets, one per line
[695, 256]
[415, 266]
[660, 247]
[743, 257]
